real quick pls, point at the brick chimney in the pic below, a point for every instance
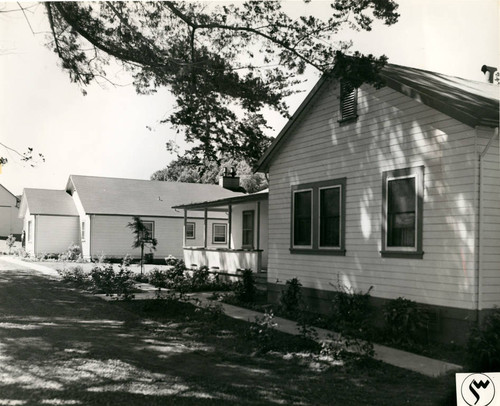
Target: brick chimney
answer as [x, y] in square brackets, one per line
[491, 72]
[230, 181]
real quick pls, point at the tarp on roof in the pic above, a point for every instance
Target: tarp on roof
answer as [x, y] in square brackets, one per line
[135, 197]
[49, 202]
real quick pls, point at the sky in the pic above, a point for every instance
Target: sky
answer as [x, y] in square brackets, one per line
[114, 132]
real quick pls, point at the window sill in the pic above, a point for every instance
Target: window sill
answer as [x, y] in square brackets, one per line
[348, 120]
[402, 254]
[304, 251]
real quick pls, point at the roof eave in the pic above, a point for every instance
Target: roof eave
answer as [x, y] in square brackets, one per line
[222, 202]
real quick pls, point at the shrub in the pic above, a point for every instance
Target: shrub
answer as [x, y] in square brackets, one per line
[351, 310]
[262, 331]
[291, 297]
[76, 276]
[200, 277]
[246, 290]
[102, 277]
[73, 252]
[107, 281]
[405, 321]
[100, 259]
[158, 278]
[483, 345]
[175, 262]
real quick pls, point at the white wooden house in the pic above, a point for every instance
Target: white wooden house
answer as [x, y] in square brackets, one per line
[243, 241]
[9, 221]
[396, 188]
[50, 221]
[96, 210]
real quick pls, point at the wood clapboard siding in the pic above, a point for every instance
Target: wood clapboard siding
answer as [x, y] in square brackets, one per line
[393, 131]
[490, 224]
[54, 234]
[111, 236]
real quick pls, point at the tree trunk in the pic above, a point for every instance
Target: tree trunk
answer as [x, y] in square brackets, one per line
[142, 257]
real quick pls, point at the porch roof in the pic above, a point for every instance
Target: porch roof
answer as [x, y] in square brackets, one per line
[253, 197]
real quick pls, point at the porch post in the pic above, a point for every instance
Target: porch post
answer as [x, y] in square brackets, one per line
[258, 225]
[230, 221]
[184, 228]
[205, 234]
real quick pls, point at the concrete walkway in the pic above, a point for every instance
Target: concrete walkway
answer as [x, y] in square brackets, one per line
[402, 359]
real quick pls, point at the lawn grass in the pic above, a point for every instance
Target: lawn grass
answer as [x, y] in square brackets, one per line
[229, 362]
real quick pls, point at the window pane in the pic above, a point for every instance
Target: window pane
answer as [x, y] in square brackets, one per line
[190, 230]
[219, 233]
[401, 213]
[248, 226]
[302, 218]
[148, 230]
[329, 218]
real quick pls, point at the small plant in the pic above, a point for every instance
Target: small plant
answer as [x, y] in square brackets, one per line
[10, 241]
[263, 331]
[176, 265]
[291, 298]
[158, 278]
[306, 330]
[73, 252]
[200, 277]
[246, 290]
[351, 310]
[76, 276]
[346, 349]
[102, 277]
[483, 345]
[100, 259]
[127, 260]
[405, 321]
[142, 237]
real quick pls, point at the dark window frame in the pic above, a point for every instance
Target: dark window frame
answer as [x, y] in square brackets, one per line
[246, 244]
[193, 236]
[348, 102]
[213, 233]
[415, 252]
[292, 242]
[315, 187]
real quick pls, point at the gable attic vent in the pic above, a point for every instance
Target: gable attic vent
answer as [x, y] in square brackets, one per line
[348, 101]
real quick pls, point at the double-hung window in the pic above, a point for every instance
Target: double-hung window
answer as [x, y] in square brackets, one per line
[318, 218]
[248, 228]
[219, 232]
[402, 211]
[190, 231]
[149, 230]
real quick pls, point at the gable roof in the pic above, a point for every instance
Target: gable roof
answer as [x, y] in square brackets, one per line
[470, 102]
[47, 202]
[135, 197]
[10, 193]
